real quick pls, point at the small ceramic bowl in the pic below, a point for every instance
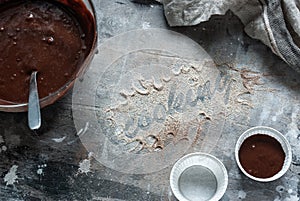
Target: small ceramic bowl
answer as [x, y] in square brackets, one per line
[198, 176]
[277, 136]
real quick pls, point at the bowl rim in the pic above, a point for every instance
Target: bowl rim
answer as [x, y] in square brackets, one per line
[265, 130]
[174, 184]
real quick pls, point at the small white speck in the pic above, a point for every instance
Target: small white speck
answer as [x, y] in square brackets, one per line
[151, 6]
[84, 166]
[39, 171]
[30, 16]
[176, 70]
[4, 148]
[146, 25]
[90, 155]
[290, 191]
[242, 194]
[50, 40]
[119, 131]
[82, 131]
[59, 140]
[11, 177]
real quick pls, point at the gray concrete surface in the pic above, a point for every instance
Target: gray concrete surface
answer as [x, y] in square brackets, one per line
[53, 164]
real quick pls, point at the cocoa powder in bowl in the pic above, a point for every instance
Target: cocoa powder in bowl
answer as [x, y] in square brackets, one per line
[55, 38]
[261, 156]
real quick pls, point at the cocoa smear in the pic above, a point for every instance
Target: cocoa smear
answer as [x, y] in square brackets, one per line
[46, 36]
[261, 156]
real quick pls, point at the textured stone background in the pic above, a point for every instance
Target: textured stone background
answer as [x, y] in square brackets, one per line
[52, 164]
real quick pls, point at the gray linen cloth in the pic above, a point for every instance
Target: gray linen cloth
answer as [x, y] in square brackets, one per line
[275, 22]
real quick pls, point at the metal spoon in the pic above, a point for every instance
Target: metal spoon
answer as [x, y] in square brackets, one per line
[34, 113]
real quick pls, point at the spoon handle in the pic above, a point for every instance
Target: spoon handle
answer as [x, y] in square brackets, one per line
[34, 114]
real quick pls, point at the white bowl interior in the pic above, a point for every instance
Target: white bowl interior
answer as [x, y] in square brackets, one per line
[205, 161]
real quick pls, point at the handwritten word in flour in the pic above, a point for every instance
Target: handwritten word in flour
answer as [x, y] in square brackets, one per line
[179, 102]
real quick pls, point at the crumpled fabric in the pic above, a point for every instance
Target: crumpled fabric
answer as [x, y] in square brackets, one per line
[274, 22]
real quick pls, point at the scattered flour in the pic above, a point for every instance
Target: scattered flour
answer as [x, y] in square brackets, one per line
[40, 170]
[11, 177]
[242, 194]
[292, 198]
[288, 192]
[3, 148]
[85, 165]
[146, 25]
[59, 140]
